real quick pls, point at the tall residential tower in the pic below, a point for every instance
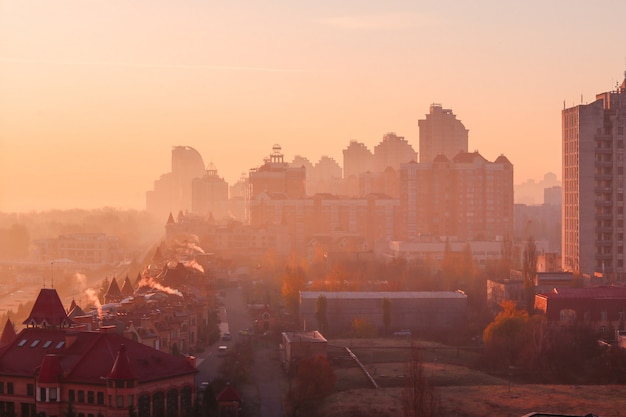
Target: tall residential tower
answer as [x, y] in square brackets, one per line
[593, 185]
[441, 134]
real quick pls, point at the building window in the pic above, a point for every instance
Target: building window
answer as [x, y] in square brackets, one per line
[30, 390]
[1, 387]
[119, 401]
[43, 395]
[603, 316]
[10, 388]
[81, 396]
[90, 397]
[101, 398]
[71, 396]
[53, 394]
[131, 399]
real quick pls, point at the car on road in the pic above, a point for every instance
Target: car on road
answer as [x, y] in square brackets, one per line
[222, 350]
[227, 336]
[246, 332]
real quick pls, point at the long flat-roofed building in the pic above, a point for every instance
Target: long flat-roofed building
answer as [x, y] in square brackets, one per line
[419, 311]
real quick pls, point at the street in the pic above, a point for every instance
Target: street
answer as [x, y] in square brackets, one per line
[264, 394]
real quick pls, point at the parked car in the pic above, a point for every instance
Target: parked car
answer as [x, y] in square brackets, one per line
[227, 336]
[246, 332]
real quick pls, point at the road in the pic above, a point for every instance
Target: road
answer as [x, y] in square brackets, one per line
[267, 397]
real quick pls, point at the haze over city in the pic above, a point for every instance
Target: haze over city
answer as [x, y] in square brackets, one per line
[94, 95]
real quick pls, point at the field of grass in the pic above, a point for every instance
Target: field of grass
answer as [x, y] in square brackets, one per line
[463, 391]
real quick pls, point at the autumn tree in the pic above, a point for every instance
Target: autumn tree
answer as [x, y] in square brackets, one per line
[419, 397]
[294, 281]
[314, 380]
[529, 272]
[505, 336]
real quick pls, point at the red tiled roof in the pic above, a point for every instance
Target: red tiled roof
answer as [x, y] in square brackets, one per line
[48, 310]
[228, 394]
[121, 367]
[50, 371]
[87, 356]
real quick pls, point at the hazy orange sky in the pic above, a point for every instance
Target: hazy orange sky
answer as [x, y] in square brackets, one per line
[94, 94]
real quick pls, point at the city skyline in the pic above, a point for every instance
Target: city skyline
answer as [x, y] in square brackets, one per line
[95, 96]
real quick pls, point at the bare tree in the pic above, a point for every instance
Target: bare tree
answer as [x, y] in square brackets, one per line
[419, 397]
[529, 272]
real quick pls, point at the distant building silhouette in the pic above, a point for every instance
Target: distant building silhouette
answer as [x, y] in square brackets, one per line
[441, 134]
[276, 176]
[173, 191]
[210, 194]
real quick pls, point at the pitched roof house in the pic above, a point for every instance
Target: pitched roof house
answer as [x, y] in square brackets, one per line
[48, 367]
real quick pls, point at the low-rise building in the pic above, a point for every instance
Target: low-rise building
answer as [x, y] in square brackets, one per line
[300, 345]
[602, 307]
[51, 367]
[419, 311]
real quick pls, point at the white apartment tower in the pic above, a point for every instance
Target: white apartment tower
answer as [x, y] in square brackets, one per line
[593, 185]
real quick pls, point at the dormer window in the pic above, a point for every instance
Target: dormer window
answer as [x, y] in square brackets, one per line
[35, 343]
[60, 344]
[47, 344]
[22, 342]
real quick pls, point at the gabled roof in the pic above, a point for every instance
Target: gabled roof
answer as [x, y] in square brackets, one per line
[87, 356]
[468, 157]
[228, 394]
[113, 293]
[121, 367]
[50, 371]
[170, 219]
[8, 334]
[127, 288]
[76, 312]
[48, 310]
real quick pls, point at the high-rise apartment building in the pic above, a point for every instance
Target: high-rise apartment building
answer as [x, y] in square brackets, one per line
[441, 134]
[276, 176]
[357, 159]
[466, 198]
[393, 151]
[172, 191]
[210, 194]
[593, 185]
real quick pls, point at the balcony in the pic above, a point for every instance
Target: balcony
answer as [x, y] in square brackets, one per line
[603, 216]
[604, 203]
[604, 243]
[603, 163]
[603, 176]
[603, 189]
[604, 229]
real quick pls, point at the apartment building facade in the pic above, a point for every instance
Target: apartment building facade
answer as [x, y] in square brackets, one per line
[593, 186]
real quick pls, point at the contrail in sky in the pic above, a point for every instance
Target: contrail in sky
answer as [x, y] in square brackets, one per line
[7, 60]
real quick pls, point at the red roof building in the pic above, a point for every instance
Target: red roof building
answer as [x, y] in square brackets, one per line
[603, 307]
[45, 369]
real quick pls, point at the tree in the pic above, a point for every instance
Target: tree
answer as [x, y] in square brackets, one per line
[386, 314]
[294, 281]
[505, 336]
[314, 380]
[419, 397]
[321, 313]
[529, 272]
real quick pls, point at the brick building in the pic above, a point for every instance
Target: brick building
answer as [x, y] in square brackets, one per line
[52, 366]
